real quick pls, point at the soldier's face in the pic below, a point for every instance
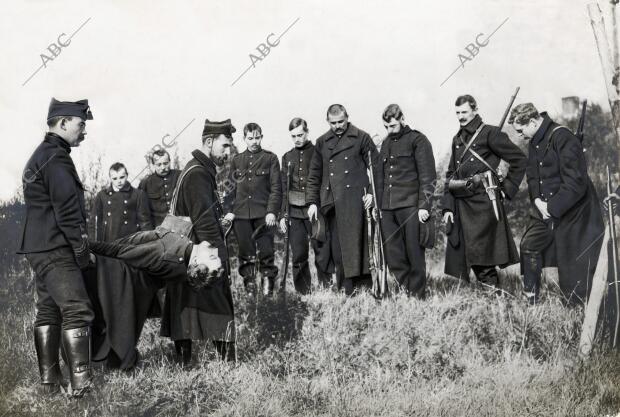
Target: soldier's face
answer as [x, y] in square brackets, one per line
[299, 136]
[118, 179]
[253, 140]
[220, 149]
[465, 114]
[394, 126]
[338, 123]
[73, 130]
[527, 130]
[161, 164]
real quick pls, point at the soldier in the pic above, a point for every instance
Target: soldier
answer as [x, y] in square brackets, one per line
[257, 200]
[159, 185]
[125, 296]
[566, 222]
[479, 236]
[191, 314]
[54, 240]
[336, 182]
[296, 197]
[405, 187]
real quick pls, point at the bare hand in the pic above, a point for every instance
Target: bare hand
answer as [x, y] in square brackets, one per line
[448, 216]
[283, 225]
[614, 201]
[423, 215]
[229, 217]
[92, 258]
[313, 212]
[270, 219]
[367, 199]
[542, 207]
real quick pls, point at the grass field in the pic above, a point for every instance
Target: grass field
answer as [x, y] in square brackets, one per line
[463, 351]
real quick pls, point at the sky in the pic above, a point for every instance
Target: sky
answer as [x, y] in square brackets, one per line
[150, 69]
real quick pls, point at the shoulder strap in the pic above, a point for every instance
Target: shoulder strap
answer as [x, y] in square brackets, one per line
[555, 129]
[468, 146]
[175, 194]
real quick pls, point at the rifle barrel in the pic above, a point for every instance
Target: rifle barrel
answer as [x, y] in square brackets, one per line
[512, 101]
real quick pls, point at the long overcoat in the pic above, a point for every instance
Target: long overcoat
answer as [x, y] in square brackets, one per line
[338, 176]
[477, 237]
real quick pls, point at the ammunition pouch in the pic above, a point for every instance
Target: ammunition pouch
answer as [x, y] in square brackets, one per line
[467, 187]
[297, 198]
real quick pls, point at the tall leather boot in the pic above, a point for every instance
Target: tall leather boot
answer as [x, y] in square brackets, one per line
[47, 344]
[184, 350]
[76, 344]
[531, 263]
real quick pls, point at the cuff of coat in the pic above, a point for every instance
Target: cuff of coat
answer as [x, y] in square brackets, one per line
[509, 189]
[555, 208]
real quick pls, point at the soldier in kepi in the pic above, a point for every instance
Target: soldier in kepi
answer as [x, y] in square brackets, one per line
[566, 222]
[125, 296]
[295, 167]
[405, 188]
[55, 242]
[205, 314]
[159, 185]
[257, 201]
[479, 236]
[336, 184]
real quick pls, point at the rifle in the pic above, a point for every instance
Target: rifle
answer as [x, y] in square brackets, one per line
[380, 279]
[614, 252]
[582, 121]
[227, 228]
[288, 229]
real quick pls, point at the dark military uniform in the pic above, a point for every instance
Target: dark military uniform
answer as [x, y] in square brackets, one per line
[258, 192]
[300, 227]
[405, 184]
[206, 313]
[159, 192]
[477, 240]
[162, 253]
[125, 296]
[336, 184]
[557, 173]
[119, 214]
[54, 235]
[54, 240]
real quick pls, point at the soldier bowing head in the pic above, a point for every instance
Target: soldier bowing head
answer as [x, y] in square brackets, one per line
[298, 129]
[217, 141]
[253, 136]
[68, 120]
[338, 119]
[160, 160]
[526, 120]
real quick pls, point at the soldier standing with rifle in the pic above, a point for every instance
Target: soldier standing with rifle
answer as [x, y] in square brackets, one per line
[566, 222]
[295, 223]
[55, 241]
[479, 236]
[405, 184]
[336, 183]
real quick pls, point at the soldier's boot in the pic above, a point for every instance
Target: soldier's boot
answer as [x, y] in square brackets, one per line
[184, 351]
[531, 263]
[47, 345]
[76, 344]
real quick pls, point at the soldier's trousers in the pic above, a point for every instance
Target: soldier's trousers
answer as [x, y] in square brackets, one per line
[299, 237]
[250, 249]
[404, 255]
[537, 237]
[62, 298]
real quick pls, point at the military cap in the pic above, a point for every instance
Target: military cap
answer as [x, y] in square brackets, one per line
[218, 128]
[78, 108]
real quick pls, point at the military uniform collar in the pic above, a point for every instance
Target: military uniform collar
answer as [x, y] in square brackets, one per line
[127, 187]
[304, 147]
[540, 133]
[205, 161]
[472, 126]
[258, 152]
[403, 131]
[55, 139]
